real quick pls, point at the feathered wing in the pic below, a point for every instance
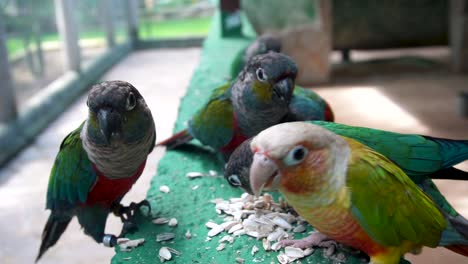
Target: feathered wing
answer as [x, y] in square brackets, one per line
[399, 211]
[71, 179]
[213, 125]
[72, 175]
[308, 105]
[416, 155]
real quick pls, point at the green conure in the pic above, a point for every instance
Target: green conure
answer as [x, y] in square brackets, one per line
[262, 95]
[422, 158]
[352, 193]
[99, 162]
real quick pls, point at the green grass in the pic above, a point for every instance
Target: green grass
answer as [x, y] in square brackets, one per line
[174, 28]
[147, 30]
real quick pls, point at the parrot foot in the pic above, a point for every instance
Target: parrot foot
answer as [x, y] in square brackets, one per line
[315, 239]
[127, 215]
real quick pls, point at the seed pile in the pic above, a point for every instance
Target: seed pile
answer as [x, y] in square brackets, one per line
[260, 218]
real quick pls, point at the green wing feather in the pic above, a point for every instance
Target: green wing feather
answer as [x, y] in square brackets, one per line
[416, 155]
[306, 105]
[387, 204]
[72, 175]
[213, 124]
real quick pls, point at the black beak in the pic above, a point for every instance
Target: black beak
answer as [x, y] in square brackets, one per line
[109, 123]
[284, 89]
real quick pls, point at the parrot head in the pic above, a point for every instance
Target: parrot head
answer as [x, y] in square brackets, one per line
[117, 114]
[262, 45]
[268, 79]
[236, 170]
[297, 158]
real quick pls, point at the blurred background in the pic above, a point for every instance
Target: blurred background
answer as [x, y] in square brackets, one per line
[394, 65]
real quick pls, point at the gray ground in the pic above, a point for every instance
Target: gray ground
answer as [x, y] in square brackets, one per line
[409, 95]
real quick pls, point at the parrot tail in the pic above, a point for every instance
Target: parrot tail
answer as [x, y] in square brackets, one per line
[454, 151]
[53, 229]
[455, 237]
[450, 174]
[176, 140]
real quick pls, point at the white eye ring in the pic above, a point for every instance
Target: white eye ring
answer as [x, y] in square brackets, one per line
[261, 75]
[131, 102]
[234, 180]
[296, 155]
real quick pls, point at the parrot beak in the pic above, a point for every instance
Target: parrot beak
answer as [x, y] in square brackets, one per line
[109, 123]
[264, 173]
[284, 89]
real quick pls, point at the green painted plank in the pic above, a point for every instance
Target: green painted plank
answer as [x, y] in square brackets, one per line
[192, 208]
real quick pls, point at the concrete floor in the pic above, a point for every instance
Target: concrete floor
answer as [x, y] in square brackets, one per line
[162, 82]
[410, 96]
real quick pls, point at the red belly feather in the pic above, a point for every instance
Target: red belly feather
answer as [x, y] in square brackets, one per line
[105, 191]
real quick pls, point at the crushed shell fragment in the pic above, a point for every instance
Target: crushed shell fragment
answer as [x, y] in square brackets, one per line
[164, 237]
[164, 189]
[173, 222]
[164, 253]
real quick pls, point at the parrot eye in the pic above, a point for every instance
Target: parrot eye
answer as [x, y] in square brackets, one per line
[296, 155]
[234, 180]
[261, 75]
[131, 102]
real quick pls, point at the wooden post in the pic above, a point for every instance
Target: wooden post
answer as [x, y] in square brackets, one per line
[231, 24]
[132, 20]
[8, 110]
[459, 34]
[68, 31]
[105, 8]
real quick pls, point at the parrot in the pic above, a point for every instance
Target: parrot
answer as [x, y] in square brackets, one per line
[350, 193]
[261, 45]
[305, 104]
[422, 158]
[98, 163]
[262, 95]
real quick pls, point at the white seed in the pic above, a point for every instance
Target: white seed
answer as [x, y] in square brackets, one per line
[218, 200]
[221, 247]
[259, 204]
[294, 252]
[172, 222]
[164, 189]
[226, 238]
[239, 232]
[234, 228]
[164, 237]
[215, 231]
[240, 260]
[160, 221]
[188, 235]
[213, 173]
[173, 251]
[164, 253]
[283, 259]
[299, 229]
[128, 245]
[211, 224]
[266, 244]
[193, 175]
[308, 251]
[195, 187]
[276, 246]
[254, 250]
[227, 225]
[281, 222]
[255, 234]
